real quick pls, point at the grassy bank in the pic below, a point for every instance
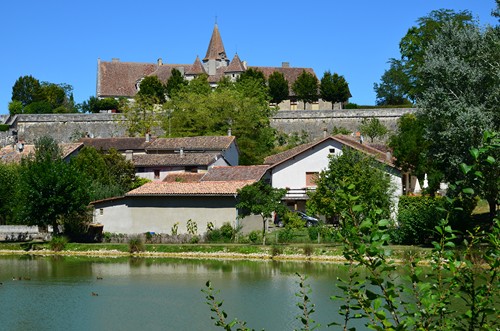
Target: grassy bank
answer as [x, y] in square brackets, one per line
[240, 251]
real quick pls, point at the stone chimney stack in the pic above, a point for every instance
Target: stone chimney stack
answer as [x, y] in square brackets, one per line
[148, 137]
[229, 132]
[160, 62]
[285, 64]
[181, 152]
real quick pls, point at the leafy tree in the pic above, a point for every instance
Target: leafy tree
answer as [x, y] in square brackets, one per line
[53, 94]
[261, 199]
[142, 116]
[26, 89]
[95, 105]
[175, 82]
[243, 107]
[372, 128]
[461, 98]
[110, 174]
[278, 87]
[334, 88]
[393, 87]
[402, 80]
[254, 74]
[51, 189]
[9, 180]
[351, 168]
[305, 87]
[409, 147]
[38, 107]
[152, 89]
[15, 107]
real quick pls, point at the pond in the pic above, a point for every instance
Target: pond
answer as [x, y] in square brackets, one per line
[82, 293]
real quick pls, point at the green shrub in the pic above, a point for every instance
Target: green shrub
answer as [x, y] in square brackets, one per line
[175, 229]
[106, 237]
[227, 232]
[254, 236]
[326, 233]
[285, 235]
[4, 127]
[214, 235]
[194, 239]
[417, 218]
[136, 245]
[192, 227]
[58, 243]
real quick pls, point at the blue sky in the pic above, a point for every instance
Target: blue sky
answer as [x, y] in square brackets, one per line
[60, 41]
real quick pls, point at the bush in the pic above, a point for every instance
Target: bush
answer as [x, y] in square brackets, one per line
[417, 218]
[194, 239]
[276, 250]
[293, 220]
[58, 243]
[214, 236]
[227, 232]
[308, 250]
[326, 233]
[285, 235]
[136, 245]
[254, 236]
[4, 127]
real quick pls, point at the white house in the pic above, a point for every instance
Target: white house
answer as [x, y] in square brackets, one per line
[296, 169]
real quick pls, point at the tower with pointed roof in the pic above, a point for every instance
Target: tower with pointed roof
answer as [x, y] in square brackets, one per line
[216, 54]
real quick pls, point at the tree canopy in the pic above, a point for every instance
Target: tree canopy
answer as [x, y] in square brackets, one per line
[305, 87]
[152, 89]
[372, 128]
[278, 87]
[358, 171]
[334, 88]
[262, 199]
[175, 82]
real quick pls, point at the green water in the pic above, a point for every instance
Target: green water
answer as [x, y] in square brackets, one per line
[55, 293]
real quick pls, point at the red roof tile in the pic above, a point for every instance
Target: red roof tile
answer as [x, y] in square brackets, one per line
[118, 143]
[235, 173]
[215, 49]
[236, 65]
[182, 189]
[201, 143]
[183, 177]
[187, 159]
[197, 68]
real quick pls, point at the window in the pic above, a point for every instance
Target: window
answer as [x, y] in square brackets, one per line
[311, 178]
[157, 174]
[101, 211]
[332, 150]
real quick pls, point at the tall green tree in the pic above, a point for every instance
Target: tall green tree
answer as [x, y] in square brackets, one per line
[253, 74]
[462, 94]
[152, 89]
[242, 107]
[372, 128]
[9, 187]
[262, 199]
[404, 76]
[143, 116]
[26, 89]
[360, 172]
[305, 87]
[95, 105]
[393, 87]
[175, 82]
[50, 188]
[278, 87]
[334, 88]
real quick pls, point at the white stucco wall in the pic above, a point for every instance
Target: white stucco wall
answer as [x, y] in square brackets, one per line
[133, 215]
[292, 173]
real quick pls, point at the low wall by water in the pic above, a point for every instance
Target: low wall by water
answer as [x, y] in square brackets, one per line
[21, 233]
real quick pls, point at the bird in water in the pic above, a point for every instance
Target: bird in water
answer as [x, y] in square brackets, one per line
[94, 294]
[99, 277]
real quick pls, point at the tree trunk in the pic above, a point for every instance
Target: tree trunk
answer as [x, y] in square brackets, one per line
[263, 231]
[55, 228]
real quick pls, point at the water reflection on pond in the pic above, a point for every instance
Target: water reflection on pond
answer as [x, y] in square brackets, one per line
[55, 293]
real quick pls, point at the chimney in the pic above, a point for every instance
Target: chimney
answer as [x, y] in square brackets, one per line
[181, 152]
[129, 154]
[148, 137]
[160, 62]
[285, 64]
[388, 157]
[229, 132]
[244, 64]
[325, 132]
[115, 59]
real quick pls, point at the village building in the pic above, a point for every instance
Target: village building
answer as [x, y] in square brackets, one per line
[117, 79]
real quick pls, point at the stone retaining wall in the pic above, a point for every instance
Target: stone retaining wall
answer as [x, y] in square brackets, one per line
[71, 127]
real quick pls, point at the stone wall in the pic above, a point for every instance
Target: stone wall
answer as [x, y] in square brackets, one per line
[71, 127]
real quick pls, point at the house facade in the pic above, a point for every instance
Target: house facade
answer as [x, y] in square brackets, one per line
[297, 169]
[155, 158]
[159, 206]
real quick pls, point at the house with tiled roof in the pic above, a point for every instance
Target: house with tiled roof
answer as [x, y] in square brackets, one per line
[117, 79]
[158, 206]
[297, 169]
[155, 158]
[16, 152]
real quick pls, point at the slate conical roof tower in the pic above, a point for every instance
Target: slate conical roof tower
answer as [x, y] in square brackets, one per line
[216, 54]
